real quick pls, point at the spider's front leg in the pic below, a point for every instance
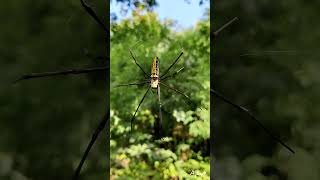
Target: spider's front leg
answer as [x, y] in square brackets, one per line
[174, 62]
[173, 75]
[136, 62]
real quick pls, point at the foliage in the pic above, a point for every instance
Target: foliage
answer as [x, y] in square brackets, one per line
[183, 150]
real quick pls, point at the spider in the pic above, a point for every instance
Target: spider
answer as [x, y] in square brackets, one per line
[155, 80]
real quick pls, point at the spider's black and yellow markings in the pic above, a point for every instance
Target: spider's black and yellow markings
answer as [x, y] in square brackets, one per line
[155, 80]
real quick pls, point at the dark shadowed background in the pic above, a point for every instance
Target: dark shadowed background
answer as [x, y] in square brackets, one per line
[46, 123]
[280, 88]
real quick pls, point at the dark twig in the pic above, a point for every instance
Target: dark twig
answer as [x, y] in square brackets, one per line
[240, 108]
[215, 33]
[64, 72]
[95, 135]
[93, 15]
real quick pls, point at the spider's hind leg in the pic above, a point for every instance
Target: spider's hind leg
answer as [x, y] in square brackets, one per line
[158, 125]
[174, 62]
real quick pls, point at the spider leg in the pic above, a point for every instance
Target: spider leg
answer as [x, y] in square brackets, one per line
[173, 75]
[166, 71]
[136, 62]
[91, 12]
[58, 73]
[132, 84]
[152, 91]
[177, 91]
[159, 124]
[95, 135]
[134, 115]
[240, 108]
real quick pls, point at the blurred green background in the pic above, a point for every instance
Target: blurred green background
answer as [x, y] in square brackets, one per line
[281, 89]
[185, 148]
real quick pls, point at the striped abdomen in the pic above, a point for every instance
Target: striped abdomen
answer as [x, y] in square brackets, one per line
[154, 73]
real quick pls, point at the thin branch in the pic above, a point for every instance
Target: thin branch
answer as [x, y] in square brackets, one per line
[93, 15]
[59, 73]
[215, 33]
[95, 135]
[240, 108]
